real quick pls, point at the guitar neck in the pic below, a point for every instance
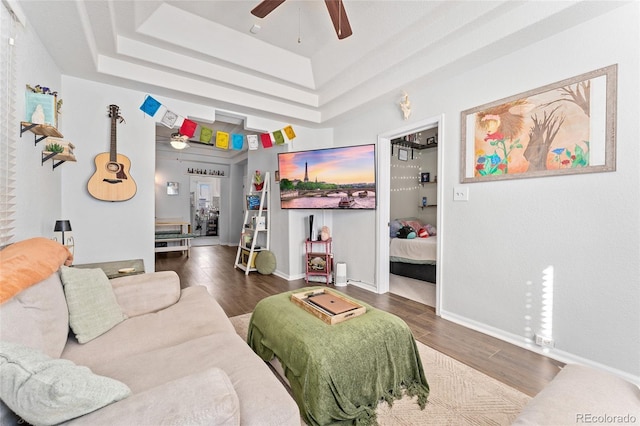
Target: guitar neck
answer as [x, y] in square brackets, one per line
[113, 156]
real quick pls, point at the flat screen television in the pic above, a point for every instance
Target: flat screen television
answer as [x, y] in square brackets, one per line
[331, 178]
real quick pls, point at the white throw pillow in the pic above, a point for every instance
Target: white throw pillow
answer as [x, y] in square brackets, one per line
[93, 308]
[47, 391]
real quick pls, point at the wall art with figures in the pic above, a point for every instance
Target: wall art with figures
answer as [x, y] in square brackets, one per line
[566, 127]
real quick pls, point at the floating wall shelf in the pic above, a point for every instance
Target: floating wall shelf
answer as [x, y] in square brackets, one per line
[61, 157]
[40, 133]
[42, 130]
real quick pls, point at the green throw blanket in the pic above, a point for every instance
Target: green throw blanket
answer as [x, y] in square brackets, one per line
[338, 373]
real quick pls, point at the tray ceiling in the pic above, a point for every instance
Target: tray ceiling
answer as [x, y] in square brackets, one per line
[294, 68]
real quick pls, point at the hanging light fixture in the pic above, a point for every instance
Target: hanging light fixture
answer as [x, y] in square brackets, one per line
[179, 141]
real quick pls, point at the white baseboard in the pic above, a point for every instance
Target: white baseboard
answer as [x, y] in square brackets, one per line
[363, 285]
[282, 275]
[523, 342]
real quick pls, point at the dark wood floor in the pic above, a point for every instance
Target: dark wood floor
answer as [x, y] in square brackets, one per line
[212, 267]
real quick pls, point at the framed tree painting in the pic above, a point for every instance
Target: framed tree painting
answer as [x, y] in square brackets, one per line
[563, 128]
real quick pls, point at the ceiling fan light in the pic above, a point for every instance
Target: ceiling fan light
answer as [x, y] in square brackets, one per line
[179, 141]
[179, 144]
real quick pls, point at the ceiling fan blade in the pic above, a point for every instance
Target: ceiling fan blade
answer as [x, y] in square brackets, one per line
[339, 18]
[266, 7]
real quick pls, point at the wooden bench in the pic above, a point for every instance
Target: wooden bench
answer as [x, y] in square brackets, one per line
[179, 236]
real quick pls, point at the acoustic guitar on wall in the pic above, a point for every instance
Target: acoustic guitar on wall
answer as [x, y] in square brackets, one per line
[112, 180]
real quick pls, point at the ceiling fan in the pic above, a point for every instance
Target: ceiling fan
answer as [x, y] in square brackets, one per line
[335, 7]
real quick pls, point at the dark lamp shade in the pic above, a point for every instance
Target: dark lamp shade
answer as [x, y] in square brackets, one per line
[62, 226]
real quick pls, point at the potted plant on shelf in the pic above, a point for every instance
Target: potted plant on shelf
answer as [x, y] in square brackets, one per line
[258, 182]
[54, 148]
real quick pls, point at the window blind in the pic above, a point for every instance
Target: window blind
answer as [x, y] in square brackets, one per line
[8, 125]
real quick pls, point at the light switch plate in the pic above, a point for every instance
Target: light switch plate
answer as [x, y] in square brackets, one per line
[460, 193]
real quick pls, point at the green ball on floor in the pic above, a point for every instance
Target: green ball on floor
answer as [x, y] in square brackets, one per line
[265, 262]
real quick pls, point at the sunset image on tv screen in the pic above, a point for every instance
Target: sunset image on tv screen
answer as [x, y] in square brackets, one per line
[332, 178]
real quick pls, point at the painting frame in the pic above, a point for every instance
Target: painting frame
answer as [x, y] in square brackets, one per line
[590, 97]
[48, 104]
[318, 263]
[173, 188]
[403, 154]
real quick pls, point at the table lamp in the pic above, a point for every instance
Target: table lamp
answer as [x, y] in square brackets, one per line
[62, 226]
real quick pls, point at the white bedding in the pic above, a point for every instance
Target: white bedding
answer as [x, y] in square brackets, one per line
[415, 250]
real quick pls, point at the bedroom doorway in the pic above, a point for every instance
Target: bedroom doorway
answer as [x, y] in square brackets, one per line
[402, 186]
[413, 203]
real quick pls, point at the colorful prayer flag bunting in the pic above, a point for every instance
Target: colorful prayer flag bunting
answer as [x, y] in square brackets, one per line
[236, 141]
[252, 142]
[188, 127]
[150, 106]
[289, 132]
[222, 140]
[278, 137]
[206, 134]
[266, 140]
[169, 118]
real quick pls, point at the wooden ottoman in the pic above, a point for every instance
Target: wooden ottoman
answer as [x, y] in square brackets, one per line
[338, 373]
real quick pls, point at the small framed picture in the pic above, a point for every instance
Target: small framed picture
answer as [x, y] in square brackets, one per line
[318, 262]
[425, 177]
[253, 202]
[41, 108]
[277, 175]
[173, 188]
[403, 154]
[432, 141]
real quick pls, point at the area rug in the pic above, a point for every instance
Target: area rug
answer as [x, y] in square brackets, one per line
[459, 394]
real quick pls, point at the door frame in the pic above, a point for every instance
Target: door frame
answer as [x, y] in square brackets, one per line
[384, 201]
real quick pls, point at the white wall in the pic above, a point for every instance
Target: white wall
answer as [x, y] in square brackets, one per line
[109, 230]
[497, 245]
[38, 186]
[407, 190]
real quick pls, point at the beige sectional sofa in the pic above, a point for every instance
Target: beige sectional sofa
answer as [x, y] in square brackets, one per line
[173, 357]
[583, 395]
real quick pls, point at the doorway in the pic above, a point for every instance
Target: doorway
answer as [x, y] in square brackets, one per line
[413, 203]
[383, 212]
[204, 209]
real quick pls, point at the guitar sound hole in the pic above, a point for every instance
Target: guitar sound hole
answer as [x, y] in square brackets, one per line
[113, 167]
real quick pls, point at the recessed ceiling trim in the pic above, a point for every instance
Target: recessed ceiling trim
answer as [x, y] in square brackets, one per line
[85, 21]
[156, 55]
[145, 75]
[216, 40]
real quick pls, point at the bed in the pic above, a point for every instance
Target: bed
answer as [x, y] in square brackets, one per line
[416, 257]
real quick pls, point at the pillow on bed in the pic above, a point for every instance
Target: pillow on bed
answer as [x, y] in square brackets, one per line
[431, 229]
[406, 232]
[414, 223]
[394, 227]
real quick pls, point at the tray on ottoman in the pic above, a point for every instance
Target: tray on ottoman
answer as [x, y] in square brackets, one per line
[330, 307]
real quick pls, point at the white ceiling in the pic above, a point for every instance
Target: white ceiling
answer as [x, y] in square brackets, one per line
[294, 68]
